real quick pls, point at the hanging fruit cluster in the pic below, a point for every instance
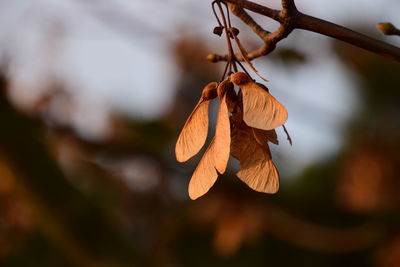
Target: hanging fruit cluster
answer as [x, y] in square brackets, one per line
[245, 124]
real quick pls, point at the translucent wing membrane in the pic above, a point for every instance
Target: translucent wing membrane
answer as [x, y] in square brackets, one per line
[215, 158]
[257, 169]
[260, 109]
[194, 133]
[204, 175]
[263, 136]
[222, 137]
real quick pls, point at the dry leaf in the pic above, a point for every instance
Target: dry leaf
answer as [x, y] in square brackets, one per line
[260, 109]
[224, 87]
[194, 132]
[257, 169]
[215, 158]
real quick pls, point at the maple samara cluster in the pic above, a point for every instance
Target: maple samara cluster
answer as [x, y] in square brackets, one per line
[246, 122]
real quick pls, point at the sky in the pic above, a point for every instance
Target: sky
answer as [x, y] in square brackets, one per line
[108, 65]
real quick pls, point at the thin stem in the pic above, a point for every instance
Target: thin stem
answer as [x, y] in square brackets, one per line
[228, 14]
[231, 55]
[215, 13]
[243, 68]
[287, 135]
[263, 10]
[225, 70]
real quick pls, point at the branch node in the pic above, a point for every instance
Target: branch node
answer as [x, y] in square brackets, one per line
[291, 19]
[289, 5]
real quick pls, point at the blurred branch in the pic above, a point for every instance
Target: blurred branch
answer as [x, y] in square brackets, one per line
[305, 234]
[290, 18]
[71, 220]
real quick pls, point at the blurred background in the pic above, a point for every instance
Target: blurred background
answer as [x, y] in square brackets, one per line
[94, 94]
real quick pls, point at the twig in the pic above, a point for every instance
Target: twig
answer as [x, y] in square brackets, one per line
[246, 18]
[290, 18]
[231, 55]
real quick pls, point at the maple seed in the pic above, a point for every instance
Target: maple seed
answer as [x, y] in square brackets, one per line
[215, 158]
[223, 87]
[240, 78]
[210, 91]
[218, 30]
[260, 109]
[194, 132]
[257, 169]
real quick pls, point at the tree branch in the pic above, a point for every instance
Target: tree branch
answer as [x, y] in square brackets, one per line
[294, 19]
[270, 39]
[289, 4]
[246, 18]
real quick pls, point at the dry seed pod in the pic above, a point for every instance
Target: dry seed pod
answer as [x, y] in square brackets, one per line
[257, 169]
[260, 109]
[223, 87]
[240, 78]
[194, 132]
[226, 88]
[215, 158]
[210, 91]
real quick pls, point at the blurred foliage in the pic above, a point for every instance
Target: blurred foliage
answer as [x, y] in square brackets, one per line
[122, 201]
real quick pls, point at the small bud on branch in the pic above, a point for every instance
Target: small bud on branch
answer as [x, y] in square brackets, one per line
[388, 28]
